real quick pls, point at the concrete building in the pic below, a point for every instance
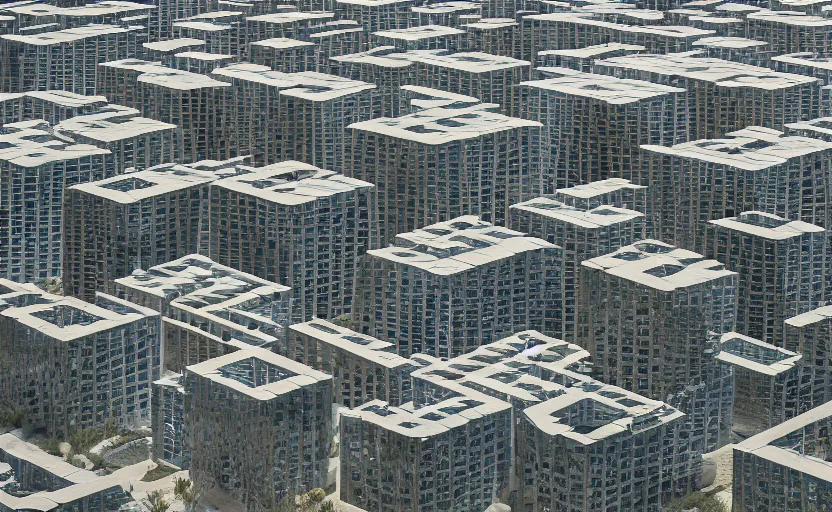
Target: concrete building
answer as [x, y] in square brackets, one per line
[64, 59]
[209, 309]
[293, 25]
[806, 63]
[580, 59]
[583, 234]
[135, 142]
[163, 51]
[447, 14]
[363, 368]
[35, 169]
[35, 480]
[616, 192]
[651, 316]
[594, 124]
[762, 170]
[194, 102]
[283, 54]
[313, 228]
[549, 465]
[288, 402]
[444, 456]
[201, 62]
[765, 382]
[56, 106]
[571, 30]
[168, 419]
[782, 269]
[223, 31]
[808, 334]
[444, 162]
[102, 359]
[383, 66]
[738, 49]
[494, 36]
[375, 15]
[724, 96]
[337, 38]
[785, 467]
[307, 113]
[790, 32]
[135, 221]
[422, 37]
[444, 290]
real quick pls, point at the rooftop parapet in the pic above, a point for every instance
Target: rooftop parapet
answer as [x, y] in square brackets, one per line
[767, 225]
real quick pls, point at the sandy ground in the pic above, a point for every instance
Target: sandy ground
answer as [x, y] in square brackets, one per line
[140, 490]
[724, 458]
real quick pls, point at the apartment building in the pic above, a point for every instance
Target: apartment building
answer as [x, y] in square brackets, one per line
[414, 98]
[652, 315]
[580, 59]
[549, 465]
[308, 113]
[168, 419]
[283, 54]
[453, 286]
[318, 226]
[447, 14]
[616, 192]
[444, 162]
[163, 51]
[738, 49]
[573, 30]
[36, 167]
[223, 31]
[785, 468]
[383, 66]
[765, 382]
[64, 59]
[341, 38]
[258, 425]
[135, 142]
[494, 36]
[595, 124]
[194, 102]
[375, 15]
[168, 11]
[724, 96]
[763, 170]
[583, 234]
[782, 269]
[788, 31]
[102, 358]
[135, 221]
[201, 62]
[422, 37]
[56, 106]
[286, 24]
[209, 309]
[808, 334]
[443, 456]
[363, 368]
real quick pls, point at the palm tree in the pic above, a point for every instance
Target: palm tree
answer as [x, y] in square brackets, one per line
[190, 497]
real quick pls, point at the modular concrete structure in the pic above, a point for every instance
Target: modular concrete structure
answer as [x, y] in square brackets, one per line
[616, 192]
[782, 269]
[594, 124]
[765, 382]
[288, 403]
[580, 59]
[444, 162]
[495, 36]
[36, 480]
[194, 102]
[785, 468]
[363, 368]
[738, 49]
[422, 37]
[448, 14]
[808, 334]
[35, 169]
[450, 287]
[583, 234]
[806, 63]
[724, 96]
[375, 15]
[549, 466]
[102, 359]
[224, 32]
[384, 66]
[64, 59]
[446, 456]
[50, 106]
[787, 31]
[651, 316]
[283, 54]
[135, 221]
[135, 142]
[294, 25]
[572, 30]
[307, 113]
[168, 420]
[209, 309]
[760, 170]
[318, 225]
